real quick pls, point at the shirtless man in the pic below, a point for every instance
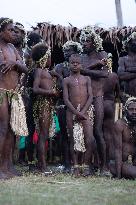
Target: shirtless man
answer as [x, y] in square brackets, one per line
[123, 163]
[63, 69]
[11, 67]
[44, 87]
[19, 43]
[127, 66]
[77, 95]
[111, 95]
[94, 65]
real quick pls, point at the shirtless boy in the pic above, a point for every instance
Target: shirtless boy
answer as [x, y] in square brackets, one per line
[77, 95]
[44, 87]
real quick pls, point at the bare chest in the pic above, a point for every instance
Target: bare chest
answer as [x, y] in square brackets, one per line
[77, 82]
[7, 54]
[46, 79]
[130, 64]
[129, 135]
[90, 60]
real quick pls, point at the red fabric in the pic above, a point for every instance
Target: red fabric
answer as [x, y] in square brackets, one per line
[46, 145]
[35, 137]
[35, 140]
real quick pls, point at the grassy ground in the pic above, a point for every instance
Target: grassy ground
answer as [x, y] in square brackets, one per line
[61, 189]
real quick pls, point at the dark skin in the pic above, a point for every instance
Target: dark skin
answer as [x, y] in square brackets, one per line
[20, 35]
[94, 65]
[77, 90]
[64, 71]
[125, 145]
[11, 67]
[111, 93]
[42, 85]
[18, 41]
[127, 69]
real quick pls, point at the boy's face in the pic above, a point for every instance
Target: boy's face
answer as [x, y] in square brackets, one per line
[75, 64]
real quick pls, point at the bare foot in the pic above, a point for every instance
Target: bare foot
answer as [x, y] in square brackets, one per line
[14, 171]
[105, 173]
[4, 175]
[86, 171]
[76, 172]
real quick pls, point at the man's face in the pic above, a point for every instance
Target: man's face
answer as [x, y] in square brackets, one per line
[75, 64]
[131, 112]
[8, 34]
[19, 36]
[68, 53]
[132, 45]
[88, 45]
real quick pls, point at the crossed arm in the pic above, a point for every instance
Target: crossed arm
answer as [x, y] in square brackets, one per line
[123, 74]
[18, 64]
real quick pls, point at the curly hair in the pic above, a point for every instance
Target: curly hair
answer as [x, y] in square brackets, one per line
[39, 50]
[33, 39]
[4, 22]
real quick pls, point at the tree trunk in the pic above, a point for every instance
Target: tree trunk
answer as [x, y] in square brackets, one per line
[119, 13]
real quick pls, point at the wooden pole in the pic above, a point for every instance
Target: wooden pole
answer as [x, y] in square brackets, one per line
[119, 13]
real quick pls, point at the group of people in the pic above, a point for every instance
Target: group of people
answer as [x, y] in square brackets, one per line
[82, 94]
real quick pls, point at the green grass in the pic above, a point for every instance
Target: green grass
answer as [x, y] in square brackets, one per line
[60, 189]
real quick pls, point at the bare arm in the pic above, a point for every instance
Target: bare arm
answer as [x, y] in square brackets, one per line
[16, 64]
[96, 65]
[58, 69]
[95, 73]
[90, 96]
[66, 97]
[36, 85]
[100, 63]
[124, 75]
[118, 148]
[67, 102]
[117, 89]
[21, 67]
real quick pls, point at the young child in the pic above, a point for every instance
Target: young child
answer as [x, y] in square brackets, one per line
[44, 87]
[78, 99]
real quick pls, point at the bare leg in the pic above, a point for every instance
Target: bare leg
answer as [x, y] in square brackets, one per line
[108, 127]
[8, 152]
[128, 170]
[64, 136]
[4, 123]
[98, 132]
[89, 145]
[74, 155]
[44, 124]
